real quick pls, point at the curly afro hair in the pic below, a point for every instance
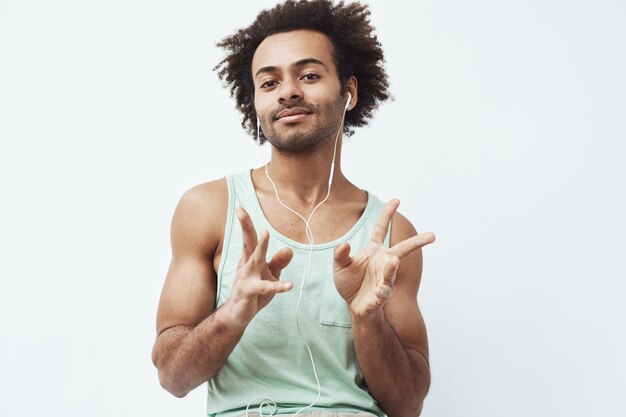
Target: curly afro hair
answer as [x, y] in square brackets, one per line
[357, 53]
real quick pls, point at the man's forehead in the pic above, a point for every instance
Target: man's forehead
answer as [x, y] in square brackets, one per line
[286, 48]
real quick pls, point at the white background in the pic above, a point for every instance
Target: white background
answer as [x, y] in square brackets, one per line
[505, 139]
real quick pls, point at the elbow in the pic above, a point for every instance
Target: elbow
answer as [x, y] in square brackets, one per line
[414, 399]
[419, 409]
[169, 384]
[413, 411]
[422, 390]
[168, 379]
[177, 375]
[422, 382]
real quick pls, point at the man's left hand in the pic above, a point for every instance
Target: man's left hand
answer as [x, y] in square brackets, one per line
[366, 281]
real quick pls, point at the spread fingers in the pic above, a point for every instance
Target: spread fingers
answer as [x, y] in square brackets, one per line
[248, 233]
[384, 219]
[407, 246]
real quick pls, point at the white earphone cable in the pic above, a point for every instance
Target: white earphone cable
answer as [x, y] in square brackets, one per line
[307, 268]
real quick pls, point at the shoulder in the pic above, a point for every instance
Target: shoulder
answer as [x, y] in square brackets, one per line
[401, 229]
[205, 196]
[410, 270]
[200, 215]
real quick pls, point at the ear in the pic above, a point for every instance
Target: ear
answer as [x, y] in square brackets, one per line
[352, 87]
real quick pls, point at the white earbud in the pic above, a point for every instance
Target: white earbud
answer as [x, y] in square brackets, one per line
[348, 102]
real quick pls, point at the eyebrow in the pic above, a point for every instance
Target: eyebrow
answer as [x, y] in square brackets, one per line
[300, 63]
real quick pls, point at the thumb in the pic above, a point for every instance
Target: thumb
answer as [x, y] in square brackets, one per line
[342, 256]
[279, 261]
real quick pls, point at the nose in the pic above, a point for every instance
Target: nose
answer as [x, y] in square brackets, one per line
[289, 91]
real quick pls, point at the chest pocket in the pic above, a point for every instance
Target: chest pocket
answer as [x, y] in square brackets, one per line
[334, 310]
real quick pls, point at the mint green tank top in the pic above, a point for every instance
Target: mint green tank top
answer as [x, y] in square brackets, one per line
[271, 360]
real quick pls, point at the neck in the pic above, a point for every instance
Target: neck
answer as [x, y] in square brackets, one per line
[303, 177]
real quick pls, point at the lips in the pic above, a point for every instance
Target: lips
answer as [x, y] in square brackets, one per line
[290, 113]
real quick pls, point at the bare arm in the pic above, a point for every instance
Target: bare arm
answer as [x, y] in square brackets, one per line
[193, 341]
[389, 331]
[395, 361]
[188, 356]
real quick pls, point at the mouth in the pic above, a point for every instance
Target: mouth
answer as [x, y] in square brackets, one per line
[292, 115]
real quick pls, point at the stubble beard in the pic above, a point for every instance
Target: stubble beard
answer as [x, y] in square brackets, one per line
[298, 139]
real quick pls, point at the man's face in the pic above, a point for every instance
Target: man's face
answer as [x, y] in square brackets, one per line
[297, 89]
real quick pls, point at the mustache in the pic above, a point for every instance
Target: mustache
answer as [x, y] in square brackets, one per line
[312, 108]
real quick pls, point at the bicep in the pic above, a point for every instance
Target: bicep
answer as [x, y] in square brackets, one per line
[188, 295]
[402, 310]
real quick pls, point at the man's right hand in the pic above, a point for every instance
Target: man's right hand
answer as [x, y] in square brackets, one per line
[256, 281]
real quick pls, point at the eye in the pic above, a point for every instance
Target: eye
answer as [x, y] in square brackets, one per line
[268, 84]
[310, 77]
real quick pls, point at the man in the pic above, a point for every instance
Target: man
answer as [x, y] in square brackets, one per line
[331, 322]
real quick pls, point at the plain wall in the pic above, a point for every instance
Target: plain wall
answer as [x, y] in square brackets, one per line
[505, 139]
